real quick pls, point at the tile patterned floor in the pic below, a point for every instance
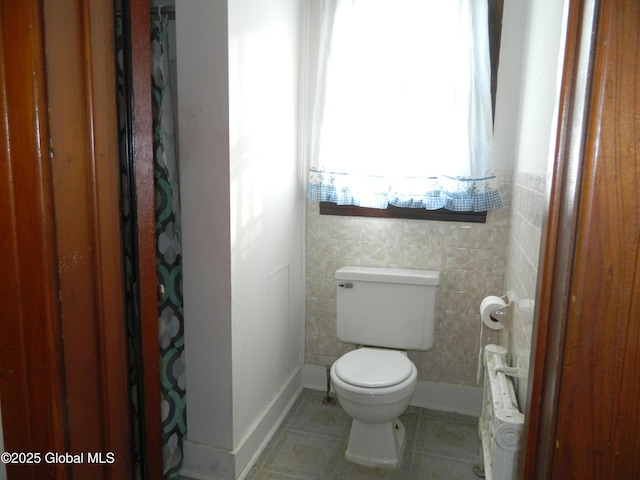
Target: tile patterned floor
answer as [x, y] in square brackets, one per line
[310, 445]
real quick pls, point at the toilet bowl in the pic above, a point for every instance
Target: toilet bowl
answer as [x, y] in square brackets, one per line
[374, 387]
[389, 311]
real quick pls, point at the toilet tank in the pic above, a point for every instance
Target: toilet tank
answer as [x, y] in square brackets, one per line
[387, 307]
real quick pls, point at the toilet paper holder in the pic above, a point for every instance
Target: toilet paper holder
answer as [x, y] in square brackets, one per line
[503, 314]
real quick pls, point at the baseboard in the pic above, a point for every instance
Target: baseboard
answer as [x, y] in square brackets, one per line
[440, 396]
[446, 397]
[204, 462]
[259, 436]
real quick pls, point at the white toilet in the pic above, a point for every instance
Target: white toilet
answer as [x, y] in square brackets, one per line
[385, 311]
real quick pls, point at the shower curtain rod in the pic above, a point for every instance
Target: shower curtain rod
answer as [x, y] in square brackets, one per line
[168, 10]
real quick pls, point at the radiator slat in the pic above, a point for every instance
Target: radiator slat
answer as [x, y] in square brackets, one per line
[501, 422]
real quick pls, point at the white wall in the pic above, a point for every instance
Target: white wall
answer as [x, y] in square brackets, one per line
[204, 167]
[534, 32]
[267, 203]
[242, 225]
[510, 88]
[528, 84]
[541, 83]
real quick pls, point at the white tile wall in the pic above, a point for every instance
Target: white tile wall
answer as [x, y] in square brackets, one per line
[522, 269]
[471, 258]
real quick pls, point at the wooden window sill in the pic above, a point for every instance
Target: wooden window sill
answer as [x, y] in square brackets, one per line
[442, 214]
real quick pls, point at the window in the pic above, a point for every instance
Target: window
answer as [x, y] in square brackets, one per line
[402, 105]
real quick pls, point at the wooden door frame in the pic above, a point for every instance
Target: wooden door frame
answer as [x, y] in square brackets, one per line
[554, 278]
[63, 366]
[582, 416]
[83, 145]
[31, 366]
[142, 126]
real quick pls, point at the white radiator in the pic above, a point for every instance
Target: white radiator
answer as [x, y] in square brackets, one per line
[501, 423]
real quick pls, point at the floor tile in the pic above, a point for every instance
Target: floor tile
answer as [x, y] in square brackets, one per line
[351, 471]
[426, 466]
[311, 441]
[314, 417]
[303, 455]
[449, 437]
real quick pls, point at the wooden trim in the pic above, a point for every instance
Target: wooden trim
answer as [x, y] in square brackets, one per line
[601, 367]
[554, 279]
[146, 222]
[327, 208]
[83, 136]
[112, 345]
[31, 370]
[62, 282]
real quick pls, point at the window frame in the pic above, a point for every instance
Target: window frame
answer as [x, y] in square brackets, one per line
[442, 214]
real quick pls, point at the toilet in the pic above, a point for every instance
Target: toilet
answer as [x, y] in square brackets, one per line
[385, 311]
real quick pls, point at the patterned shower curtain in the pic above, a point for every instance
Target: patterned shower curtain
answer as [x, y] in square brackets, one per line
[168, 257]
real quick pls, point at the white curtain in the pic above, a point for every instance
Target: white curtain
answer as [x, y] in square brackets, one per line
[401, 109]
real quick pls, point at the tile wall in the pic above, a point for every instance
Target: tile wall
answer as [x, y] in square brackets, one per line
[527, 212]
[471, 258]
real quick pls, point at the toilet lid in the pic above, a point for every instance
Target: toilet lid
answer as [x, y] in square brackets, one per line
[367, 367]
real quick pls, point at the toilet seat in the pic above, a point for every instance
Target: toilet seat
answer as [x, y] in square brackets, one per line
[373, 368]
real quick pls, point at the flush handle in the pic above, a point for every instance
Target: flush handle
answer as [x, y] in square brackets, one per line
[345, 284]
